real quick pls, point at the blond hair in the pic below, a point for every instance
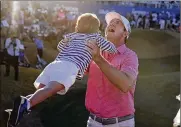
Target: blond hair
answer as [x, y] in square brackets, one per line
[87, 23]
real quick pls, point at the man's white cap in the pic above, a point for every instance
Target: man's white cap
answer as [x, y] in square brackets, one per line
[114, 15]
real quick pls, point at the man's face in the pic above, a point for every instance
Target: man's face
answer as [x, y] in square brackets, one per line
[13, 38]
[115, 30]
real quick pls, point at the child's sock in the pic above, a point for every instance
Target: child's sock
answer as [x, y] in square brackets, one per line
[28, 104]
[28, 96]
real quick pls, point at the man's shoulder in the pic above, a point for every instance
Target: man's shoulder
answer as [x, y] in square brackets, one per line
[8, 39]
[130, 52]
[18, 40]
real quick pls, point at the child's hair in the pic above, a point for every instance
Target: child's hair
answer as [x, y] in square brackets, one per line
[87, 23]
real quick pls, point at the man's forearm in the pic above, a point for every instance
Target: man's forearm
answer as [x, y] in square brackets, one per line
[116, 77]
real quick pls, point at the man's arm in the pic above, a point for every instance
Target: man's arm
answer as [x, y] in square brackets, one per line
[123, 79]
[7, 43]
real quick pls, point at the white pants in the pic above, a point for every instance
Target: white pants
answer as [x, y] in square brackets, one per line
[63, 72]
[127, 123]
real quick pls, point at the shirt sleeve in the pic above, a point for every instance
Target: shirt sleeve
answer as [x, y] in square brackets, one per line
[105, 45]
[64, 41]
[130, 65]
[61, 45]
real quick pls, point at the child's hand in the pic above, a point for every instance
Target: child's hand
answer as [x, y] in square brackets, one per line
[66, 39]
[91, 40]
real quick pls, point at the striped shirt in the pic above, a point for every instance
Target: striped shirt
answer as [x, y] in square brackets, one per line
[73, 48]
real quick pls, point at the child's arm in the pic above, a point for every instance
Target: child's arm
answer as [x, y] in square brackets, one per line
[105, 45]
[80, 76]
[61, 44]
[87, 70]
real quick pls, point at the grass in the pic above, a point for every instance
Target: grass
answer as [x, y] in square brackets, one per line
[49, 53]
[159, 65]
[153, 44]
[157, 86]
[155, 101]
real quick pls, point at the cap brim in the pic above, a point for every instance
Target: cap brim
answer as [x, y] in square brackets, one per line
[112, 15]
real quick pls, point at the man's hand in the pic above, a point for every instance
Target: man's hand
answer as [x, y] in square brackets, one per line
[95, 50]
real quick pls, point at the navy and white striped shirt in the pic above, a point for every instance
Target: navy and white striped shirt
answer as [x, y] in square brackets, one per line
[73, 48]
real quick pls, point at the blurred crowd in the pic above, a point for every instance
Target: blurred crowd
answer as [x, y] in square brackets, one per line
[146, 3]
[37, 24]
[38, 20]
[153, 20]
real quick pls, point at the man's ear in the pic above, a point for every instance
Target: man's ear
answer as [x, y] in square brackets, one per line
[105, 31]
[126, 34]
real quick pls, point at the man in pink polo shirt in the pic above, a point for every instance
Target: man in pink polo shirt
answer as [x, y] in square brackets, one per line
[112, 78]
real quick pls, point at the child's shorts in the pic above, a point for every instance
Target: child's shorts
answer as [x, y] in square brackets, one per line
[63, 72]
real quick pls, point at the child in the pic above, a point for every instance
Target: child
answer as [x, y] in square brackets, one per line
[71, 62]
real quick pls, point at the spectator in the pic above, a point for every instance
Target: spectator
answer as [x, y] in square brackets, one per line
[154, 19]
[23, 60]
[4, 27]
[52, 33]
[168, 21]
[139, 21]
[4, 32]
[21, 22]
[39, 45]
[133, 22]
[2, 49]
[147, 22]
[42, 23]
[144, 22]
[1, 52]
[162, 24]
[35, 27]
[174, 23]
[12, 45]
[151, 21]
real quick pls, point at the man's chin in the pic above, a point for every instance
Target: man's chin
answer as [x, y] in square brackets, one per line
[109, 36]
[111, 39]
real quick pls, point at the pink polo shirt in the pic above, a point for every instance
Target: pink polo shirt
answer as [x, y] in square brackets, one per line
[102, 97]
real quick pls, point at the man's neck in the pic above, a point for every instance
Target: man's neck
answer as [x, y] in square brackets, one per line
[118, 43]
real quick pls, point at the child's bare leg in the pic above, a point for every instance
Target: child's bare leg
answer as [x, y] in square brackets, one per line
[39, 87]
[45, 92]
[23, 104]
